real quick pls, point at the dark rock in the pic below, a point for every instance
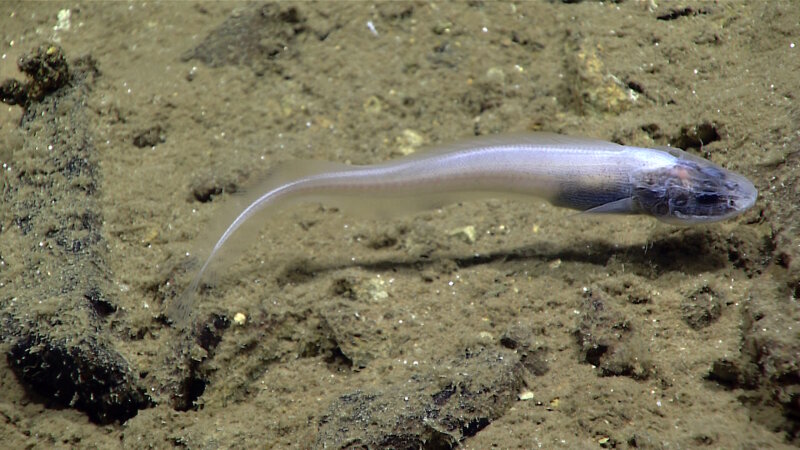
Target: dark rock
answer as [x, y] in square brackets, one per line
[47, 70]
[606, 340]
[701, 308]
[150, 137]
[254, 37]
[88, 376]
[427, 411]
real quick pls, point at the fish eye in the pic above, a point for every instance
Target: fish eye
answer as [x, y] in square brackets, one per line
[707, 199]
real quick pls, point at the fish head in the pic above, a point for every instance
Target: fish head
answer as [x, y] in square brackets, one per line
[692, 191]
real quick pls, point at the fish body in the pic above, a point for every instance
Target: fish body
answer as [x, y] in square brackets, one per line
[587, 175]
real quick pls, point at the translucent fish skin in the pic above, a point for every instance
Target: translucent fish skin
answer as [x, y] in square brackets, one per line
[583, 174]
[692, 192]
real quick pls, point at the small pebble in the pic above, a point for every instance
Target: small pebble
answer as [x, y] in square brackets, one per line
[526, 395]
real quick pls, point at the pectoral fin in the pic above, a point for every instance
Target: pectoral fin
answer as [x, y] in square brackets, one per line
[621, 206]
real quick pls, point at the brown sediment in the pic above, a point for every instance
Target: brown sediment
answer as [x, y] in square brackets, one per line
[696, 344]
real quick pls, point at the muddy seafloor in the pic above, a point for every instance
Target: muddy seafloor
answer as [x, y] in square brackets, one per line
[486, 324]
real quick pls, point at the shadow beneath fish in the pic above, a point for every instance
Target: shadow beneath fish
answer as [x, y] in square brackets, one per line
[690, 252]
